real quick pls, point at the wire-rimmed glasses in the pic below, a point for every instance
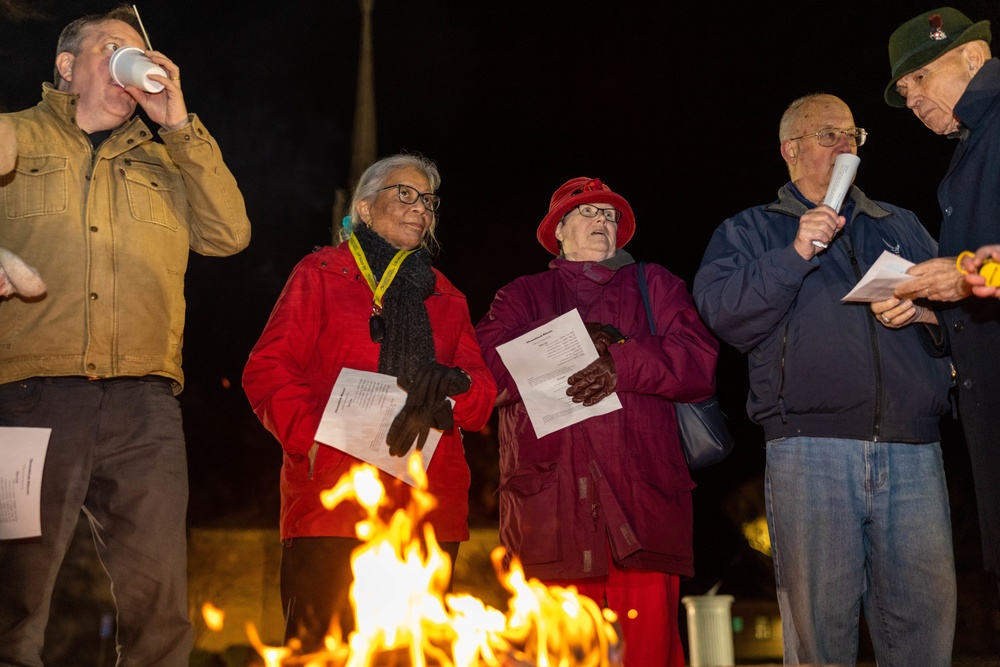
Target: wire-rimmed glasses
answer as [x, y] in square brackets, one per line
[829, 136]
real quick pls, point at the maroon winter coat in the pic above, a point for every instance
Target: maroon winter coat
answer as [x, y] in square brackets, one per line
[620, 476]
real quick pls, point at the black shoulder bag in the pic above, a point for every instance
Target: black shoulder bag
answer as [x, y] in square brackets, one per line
[704, 436]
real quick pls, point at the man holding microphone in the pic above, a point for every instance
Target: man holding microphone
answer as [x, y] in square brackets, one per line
[856, 501]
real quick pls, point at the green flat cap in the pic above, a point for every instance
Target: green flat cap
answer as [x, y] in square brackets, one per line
[922, 39]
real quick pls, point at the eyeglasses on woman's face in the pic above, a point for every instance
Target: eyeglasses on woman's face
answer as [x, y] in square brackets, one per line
[591, 211]
[409, 195]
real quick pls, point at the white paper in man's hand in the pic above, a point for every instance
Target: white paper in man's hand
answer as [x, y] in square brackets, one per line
[540, 362]
[21, 464]
[887, 273]
[356, 420]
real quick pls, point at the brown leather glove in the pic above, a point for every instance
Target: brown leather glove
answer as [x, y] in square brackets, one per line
[595, 382]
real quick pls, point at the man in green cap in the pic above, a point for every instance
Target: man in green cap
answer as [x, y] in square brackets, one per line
[942, 69]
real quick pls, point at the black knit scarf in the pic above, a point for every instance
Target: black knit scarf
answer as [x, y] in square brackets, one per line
[408, 342]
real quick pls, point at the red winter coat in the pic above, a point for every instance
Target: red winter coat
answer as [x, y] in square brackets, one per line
[320, 326]
[621, 476]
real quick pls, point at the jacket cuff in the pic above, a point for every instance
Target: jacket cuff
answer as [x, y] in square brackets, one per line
[182, 137]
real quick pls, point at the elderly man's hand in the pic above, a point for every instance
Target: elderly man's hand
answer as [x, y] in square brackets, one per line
[936, 279]
[896, 314]
[8, 147]
[818, 224]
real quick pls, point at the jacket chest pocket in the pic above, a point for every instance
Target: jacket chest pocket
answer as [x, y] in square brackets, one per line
[153, 196]
[38, 186]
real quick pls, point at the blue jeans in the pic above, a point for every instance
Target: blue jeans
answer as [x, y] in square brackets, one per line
[857, 523]
[116, 453]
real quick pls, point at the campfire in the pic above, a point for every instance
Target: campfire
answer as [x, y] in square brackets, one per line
[405, 618]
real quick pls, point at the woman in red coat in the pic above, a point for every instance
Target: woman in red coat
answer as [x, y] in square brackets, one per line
[336, 312]
[604, 504]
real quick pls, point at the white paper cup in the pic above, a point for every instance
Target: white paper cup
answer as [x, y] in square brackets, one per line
[130, 67]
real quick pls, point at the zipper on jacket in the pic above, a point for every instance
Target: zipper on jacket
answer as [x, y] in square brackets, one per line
[952, 389]
[877, 418]
[781, 379]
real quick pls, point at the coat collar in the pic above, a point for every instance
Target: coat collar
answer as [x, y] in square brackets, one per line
[980, 95]
[598, 272]
[63, 106]
[789, 204]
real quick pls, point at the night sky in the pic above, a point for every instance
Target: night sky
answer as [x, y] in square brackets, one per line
[674, 105]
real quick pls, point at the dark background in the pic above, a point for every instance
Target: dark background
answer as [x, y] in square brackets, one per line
[674, 105]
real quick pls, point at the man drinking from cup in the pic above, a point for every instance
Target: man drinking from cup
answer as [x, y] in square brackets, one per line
[108, 216]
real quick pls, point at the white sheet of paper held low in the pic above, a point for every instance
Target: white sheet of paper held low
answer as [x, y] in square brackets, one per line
[21, 468]
[356, 420]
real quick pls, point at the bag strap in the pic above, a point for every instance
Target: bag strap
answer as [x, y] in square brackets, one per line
[644, 291]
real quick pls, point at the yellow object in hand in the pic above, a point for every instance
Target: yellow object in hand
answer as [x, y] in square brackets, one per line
[989, 270]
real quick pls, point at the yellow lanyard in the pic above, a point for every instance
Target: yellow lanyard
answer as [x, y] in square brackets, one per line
[378, 291]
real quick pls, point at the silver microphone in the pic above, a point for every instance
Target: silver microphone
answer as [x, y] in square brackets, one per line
[844, 169]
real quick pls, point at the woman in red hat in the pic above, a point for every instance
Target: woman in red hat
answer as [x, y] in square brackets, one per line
[604, 504]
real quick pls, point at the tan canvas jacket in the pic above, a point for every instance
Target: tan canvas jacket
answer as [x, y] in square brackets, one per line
[109, 231]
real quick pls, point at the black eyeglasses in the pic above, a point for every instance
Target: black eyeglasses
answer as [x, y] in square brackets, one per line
[589, 211]
[409, 195]
[829, 136]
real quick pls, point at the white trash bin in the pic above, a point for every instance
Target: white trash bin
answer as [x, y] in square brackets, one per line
[710, 630]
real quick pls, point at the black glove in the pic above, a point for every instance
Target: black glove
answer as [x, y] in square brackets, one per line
[603, 335]
[433, 381]
[412, 423]
[595, 382]
[426, 406]
[602, 341]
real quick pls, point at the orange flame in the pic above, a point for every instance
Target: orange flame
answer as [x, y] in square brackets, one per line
[402, 608]
[213, 616]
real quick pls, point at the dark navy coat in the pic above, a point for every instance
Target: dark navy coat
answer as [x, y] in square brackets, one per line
[969, 197]
[818, 366]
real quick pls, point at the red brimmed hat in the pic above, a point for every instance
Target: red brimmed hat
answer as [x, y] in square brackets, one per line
[579, 191]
